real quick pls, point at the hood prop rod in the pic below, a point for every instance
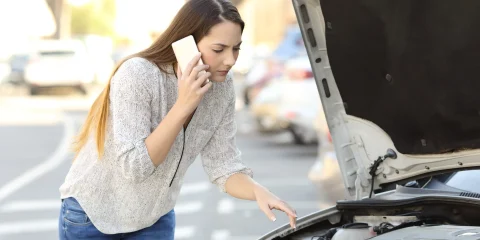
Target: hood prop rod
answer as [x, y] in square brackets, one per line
[373, 169]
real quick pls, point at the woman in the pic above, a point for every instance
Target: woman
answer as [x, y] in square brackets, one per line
[148, 126]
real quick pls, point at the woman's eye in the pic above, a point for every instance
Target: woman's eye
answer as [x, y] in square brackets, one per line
[217, 51]
[237, 49]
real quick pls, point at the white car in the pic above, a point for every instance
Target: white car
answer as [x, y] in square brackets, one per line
[300, 104]
[290, 102]
[397, 81]
[4, 71]
[58, 63]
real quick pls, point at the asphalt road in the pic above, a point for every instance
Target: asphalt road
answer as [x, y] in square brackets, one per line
[34, 159]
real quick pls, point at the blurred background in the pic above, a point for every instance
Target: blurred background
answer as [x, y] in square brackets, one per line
[56, 57]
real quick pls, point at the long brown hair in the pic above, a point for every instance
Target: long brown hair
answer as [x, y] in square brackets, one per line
[196, 18]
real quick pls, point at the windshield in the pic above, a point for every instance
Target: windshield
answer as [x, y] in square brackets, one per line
[57, 53]
[465, 180]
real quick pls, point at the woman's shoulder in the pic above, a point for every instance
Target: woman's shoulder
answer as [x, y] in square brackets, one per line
[136, 65]
[140, 69]
[134, 76]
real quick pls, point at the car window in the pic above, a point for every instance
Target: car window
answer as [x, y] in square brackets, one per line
[56, 53]
[18, 61]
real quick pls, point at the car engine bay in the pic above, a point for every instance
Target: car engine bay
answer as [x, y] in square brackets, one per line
[413, 230]
[427, 217]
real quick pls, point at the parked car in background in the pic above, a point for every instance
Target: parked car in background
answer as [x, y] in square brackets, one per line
[300, 104]
[403, 113]
[4, 70]
[259, 76]
[58, 63]
[265, 109]
[269, 66]
[17, 63]
[290, 102]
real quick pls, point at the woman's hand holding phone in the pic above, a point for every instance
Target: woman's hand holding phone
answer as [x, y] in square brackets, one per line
[191, 85]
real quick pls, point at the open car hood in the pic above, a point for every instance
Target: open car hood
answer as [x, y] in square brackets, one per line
[396, 77]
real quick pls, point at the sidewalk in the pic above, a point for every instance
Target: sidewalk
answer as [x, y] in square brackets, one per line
[18, 108]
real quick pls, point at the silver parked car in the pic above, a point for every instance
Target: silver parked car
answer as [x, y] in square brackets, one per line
[290, 102]
[58, 63]
[398, 84]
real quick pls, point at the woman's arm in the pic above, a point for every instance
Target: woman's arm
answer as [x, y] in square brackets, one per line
[138, 150]
[241, 186]
[220, 156]
[190, 92]
[244, 187]
[164, 135]
[222, 162]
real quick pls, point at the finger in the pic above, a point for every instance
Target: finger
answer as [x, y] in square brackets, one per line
[192, 64]
[202, 79]
[266, 209]
[197, 69]
[205, 88]
[282, 206]
[293, 222]
[292, 215]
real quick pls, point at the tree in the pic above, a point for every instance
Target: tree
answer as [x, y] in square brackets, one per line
[236, 2]
[95, 17]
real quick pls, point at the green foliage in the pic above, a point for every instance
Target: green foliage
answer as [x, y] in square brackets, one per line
[95, 17]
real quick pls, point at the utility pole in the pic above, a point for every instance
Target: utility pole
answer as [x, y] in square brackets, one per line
[62, 13]
[236, 2]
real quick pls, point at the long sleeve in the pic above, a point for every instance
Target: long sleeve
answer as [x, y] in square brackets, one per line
[130, 100]
[221, 158]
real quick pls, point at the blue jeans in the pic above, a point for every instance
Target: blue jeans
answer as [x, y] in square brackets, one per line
[74, 224]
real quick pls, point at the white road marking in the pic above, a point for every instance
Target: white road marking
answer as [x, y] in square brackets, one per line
[188, 207]
[14, 116]
[224, 234]
[192, 188]
[35, 226]
[244, 237]
[55, 103]
[228, 206]
[51, 163]
[185, 232]
[31, 205]
[41, 110]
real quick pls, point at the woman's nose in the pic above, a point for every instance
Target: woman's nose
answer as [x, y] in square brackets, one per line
[230, 59]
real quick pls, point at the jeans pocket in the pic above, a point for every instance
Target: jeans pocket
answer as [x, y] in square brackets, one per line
[74, 214]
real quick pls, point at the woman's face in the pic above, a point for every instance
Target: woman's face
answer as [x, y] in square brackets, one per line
[220, 49]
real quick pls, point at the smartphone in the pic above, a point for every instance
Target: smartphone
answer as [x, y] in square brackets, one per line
[185, 49]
